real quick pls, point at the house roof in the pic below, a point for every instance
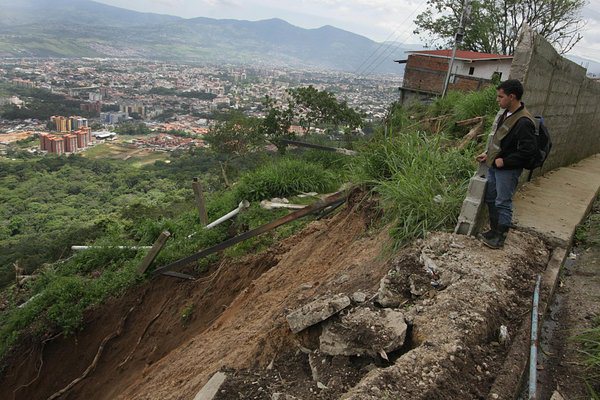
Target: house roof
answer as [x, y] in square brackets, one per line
[462, 55]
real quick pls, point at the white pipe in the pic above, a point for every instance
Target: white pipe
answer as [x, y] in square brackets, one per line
[79, 248]
[243, 205]
[269, 205]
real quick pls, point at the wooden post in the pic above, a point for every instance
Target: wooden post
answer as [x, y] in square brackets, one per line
[197, 187]
[156, 248]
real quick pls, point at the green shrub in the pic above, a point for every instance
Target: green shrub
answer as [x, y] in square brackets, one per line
[285, 177]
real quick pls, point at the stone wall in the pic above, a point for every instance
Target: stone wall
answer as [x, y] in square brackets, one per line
[559, 90]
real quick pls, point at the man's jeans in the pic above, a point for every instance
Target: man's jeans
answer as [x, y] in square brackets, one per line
[499, 191]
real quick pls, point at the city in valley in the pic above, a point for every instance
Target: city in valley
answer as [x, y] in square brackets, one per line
[174, 103]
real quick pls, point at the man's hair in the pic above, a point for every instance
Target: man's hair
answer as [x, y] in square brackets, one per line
[512, 86]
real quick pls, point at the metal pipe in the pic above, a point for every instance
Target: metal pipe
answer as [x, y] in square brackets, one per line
[534, 341]
[243, 205]
[79, 248]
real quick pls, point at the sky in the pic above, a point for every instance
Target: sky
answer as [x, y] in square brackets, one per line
[379, 20]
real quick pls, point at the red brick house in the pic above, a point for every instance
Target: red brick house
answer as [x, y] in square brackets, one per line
[426, 71]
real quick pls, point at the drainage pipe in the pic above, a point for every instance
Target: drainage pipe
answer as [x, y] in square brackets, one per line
[534, 341]
[244, 204]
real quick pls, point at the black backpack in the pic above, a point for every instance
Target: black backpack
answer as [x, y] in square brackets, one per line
[544, 145]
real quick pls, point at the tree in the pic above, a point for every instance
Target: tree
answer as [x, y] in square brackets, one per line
[494, 25]
[320, 106]
[277, 123]
[232, 139]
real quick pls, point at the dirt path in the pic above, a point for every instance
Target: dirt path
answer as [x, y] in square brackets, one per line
[576, 305]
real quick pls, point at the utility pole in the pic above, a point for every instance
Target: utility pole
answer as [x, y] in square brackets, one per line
[460, 33]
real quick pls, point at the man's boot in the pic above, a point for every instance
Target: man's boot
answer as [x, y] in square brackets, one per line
[498, 238]
[493, 228]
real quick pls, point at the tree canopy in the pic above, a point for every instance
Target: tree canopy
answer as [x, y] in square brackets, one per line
[493, 25]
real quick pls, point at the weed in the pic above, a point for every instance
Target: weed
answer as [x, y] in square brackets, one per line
[186, 314]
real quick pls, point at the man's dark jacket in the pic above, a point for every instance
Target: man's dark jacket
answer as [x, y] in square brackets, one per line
[519, 146]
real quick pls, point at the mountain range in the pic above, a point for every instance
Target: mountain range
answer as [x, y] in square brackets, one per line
[84, 28]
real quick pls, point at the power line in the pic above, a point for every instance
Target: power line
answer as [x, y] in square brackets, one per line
[390, 45]
[375, 63]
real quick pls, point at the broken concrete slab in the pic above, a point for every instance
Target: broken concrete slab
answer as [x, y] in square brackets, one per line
[210, 390]
[364, 332]
[316, 311]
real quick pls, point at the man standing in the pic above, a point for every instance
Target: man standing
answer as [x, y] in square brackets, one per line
[512, 148]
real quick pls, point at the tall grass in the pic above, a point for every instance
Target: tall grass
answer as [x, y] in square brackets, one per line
[590, 341]
[285, 177]
[421, 182]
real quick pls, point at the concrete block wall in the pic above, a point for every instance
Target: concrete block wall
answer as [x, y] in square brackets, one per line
[559, 90]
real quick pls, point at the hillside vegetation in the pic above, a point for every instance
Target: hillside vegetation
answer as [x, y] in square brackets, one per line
[415, 171]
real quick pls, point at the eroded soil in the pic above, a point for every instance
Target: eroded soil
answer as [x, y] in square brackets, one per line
[235, 322]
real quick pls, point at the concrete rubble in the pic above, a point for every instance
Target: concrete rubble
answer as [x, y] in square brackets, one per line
[388, 294]
[316, 311]
[210, 390]
[364, 332]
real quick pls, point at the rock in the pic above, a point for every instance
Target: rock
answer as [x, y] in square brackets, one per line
[503, 336]
[321, 386]
[364, 332]
[306, 286]
[359, 297]
[430, 266]
[388, 294]
[557, 396]
[210, 390]
[316, 311]
[418, 285]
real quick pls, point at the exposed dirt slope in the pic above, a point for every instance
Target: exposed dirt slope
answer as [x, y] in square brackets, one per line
[452, 350]
[235, 319]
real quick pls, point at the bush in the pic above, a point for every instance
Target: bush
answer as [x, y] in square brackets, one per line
[286, 177]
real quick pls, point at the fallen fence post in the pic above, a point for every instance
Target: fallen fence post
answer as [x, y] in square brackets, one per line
[316, 206]
[200, 202]
[156, 248]
[319, 147]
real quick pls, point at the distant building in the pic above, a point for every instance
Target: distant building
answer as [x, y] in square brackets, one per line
[104, 135]
[93, 107]
[113, 117]
[23, 83]
[95, 96]
[69, 143]
[426, 71]
[133, 108]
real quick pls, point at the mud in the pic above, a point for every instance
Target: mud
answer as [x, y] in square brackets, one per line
[233, 319]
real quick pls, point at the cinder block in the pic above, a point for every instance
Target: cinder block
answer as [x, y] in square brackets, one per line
[470, 208]
[477, 187]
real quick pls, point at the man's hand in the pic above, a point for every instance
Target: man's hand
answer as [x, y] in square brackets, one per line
[481, 158]
[499, 162]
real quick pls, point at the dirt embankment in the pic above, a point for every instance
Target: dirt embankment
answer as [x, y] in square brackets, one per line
[175, 334]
